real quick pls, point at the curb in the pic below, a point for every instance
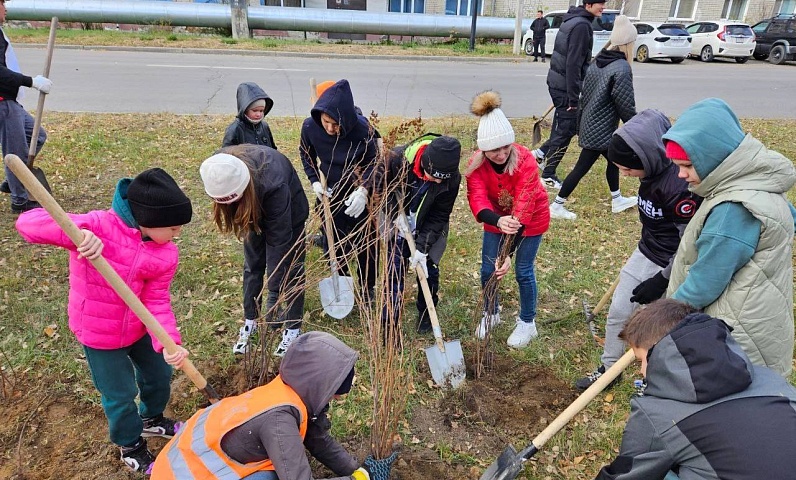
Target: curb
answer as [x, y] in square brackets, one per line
[269, 53]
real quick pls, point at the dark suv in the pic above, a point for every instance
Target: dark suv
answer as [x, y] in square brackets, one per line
[776, 39]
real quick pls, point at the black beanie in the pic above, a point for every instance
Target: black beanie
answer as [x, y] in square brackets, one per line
[620, 153]
[157, 201]
[440, 159]
[345, 387]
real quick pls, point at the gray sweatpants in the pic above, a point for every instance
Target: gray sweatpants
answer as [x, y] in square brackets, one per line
[637, 269]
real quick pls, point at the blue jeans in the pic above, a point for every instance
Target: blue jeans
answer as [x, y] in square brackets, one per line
[263, 475]
[524, 258]
[396, 269]
[16, 128]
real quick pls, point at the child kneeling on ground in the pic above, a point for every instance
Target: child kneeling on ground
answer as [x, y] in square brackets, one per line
[706, 411]
[124, 359]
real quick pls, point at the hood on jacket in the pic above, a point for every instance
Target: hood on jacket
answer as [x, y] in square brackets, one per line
[315, 366]
[643, 134]
[120, 205]
[337, 102]
[248, 93]
[578, 11]
[698, 362]
[607, 57]
[708, 131]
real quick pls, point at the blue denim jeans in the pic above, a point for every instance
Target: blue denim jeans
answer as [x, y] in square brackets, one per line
[264, 475]
[524, 258]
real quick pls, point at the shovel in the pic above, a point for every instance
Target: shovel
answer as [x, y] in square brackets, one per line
[337, 292]
[37, 172]
[509, 464]
[600, 305]
[445, 359]
[108, 273]
[536, 136]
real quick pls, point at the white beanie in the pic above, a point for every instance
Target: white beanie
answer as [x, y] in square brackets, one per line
[225, 177]
[494, 129]
[623, 32]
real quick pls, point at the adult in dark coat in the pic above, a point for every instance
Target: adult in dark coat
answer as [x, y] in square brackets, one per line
[258, 197]
[539, 26]
[571, 56]
[250, 125]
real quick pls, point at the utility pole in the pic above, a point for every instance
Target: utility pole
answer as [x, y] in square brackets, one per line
[518, 27]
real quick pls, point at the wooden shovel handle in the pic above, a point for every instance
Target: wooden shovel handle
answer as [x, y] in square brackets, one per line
[603, 301]
[34, 138]
[104, 268]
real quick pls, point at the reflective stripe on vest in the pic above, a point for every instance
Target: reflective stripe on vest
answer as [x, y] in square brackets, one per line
[195, 452]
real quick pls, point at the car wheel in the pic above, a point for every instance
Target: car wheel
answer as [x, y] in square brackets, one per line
[706, 55]
[529, 47]
[777, 55]
[678, 60]
[642, 54]
[741, 59]
[760, 56]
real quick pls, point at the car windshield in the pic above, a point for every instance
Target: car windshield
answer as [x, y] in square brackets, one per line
[606, 22]
[739, 30]
[673, 30]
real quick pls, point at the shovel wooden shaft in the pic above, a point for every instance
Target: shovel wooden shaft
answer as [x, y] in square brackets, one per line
[40, 107]
[104, 268]
[603, 301]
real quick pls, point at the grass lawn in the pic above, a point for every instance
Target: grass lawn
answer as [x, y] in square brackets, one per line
[53, 421]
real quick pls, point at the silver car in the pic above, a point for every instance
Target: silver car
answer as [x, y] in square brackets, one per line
[662, 40]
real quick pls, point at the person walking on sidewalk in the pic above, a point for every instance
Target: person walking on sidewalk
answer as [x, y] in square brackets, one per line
[568, 64]
[16, 125]
[539, 26]
[424, 175]
[250, 125]
[126, 361]
[506, 195]
[665, 207]
[258, 197]
[608, 97]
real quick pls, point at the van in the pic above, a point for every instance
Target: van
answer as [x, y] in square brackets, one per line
[602, 31]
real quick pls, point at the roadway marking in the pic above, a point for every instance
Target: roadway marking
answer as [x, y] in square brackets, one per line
[229, 68]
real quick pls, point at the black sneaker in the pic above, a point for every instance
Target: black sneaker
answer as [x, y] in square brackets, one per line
[424, 324]
[17, 208]
[588, 380]
[138, 457]
[4, 188]
[160, 426]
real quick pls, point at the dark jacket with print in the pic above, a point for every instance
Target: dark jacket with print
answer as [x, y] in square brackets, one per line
[607, 98]
[571, 54]
[241, 130]
[665, 205]
[433, 215]
[707, 413]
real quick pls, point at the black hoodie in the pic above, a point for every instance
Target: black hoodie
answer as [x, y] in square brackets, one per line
[242, 130]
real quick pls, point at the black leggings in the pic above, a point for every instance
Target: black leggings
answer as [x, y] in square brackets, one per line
[585, 161]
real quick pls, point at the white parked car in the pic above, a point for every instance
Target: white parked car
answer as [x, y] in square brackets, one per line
[724, 38]
[602, 31]
[662, 40]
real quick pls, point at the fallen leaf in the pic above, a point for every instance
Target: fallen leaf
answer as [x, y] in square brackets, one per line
[49, 330]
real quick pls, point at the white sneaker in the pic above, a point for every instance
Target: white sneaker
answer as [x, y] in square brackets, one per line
[242, 345]
[523, 333]
[558, 210]
[288, 336]
[623, 203]
[487, 322]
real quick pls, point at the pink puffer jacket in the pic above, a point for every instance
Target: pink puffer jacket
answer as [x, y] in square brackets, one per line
[97, 315]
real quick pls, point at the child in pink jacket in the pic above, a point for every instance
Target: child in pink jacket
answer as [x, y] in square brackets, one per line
[135, 237]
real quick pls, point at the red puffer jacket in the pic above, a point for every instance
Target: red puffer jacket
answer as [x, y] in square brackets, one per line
[521, 194]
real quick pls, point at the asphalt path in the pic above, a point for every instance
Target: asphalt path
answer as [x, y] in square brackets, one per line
[205, 83]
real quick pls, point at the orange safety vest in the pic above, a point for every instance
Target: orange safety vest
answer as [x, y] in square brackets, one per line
[195, 452]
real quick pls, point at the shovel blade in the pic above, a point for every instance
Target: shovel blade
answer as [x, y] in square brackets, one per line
[507, 466]
[337, 305]
[536, 135]
[447, 368]
[39, 174]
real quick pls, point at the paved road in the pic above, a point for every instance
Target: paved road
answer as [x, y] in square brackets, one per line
[191, 83]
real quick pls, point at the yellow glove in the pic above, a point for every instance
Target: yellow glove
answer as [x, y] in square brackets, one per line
[360, 474]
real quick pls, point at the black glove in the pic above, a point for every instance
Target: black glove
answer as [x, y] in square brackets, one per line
[380, 469]
[650, 289]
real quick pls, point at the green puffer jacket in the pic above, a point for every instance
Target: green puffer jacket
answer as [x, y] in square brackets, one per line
[758, 302]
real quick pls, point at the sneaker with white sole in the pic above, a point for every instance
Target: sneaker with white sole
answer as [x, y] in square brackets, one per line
[539, 156]
[488, 321]
[160, 426]
[242, 345]
[288, 335]
[138, 457]
[552, 183]
[587, 381]
[558, 210]
[623, 203]
[522, 335]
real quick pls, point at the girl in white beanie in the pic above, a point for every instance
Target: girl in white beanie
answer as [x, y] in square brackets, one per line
[607, 97]
[258, 197]
[506, 195]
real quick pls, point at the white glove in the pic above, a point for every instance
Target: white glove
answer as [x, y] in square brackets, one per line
[356, 202]
[318, 189]
[42, 84]
[419, 258]
[402, 225]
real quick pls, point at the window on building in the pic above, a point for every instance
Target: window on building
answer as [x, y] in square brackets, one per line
[784, 6]
[683, 9]
[632, 8]
[462, 7]
[408, 6]
[734, 9]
